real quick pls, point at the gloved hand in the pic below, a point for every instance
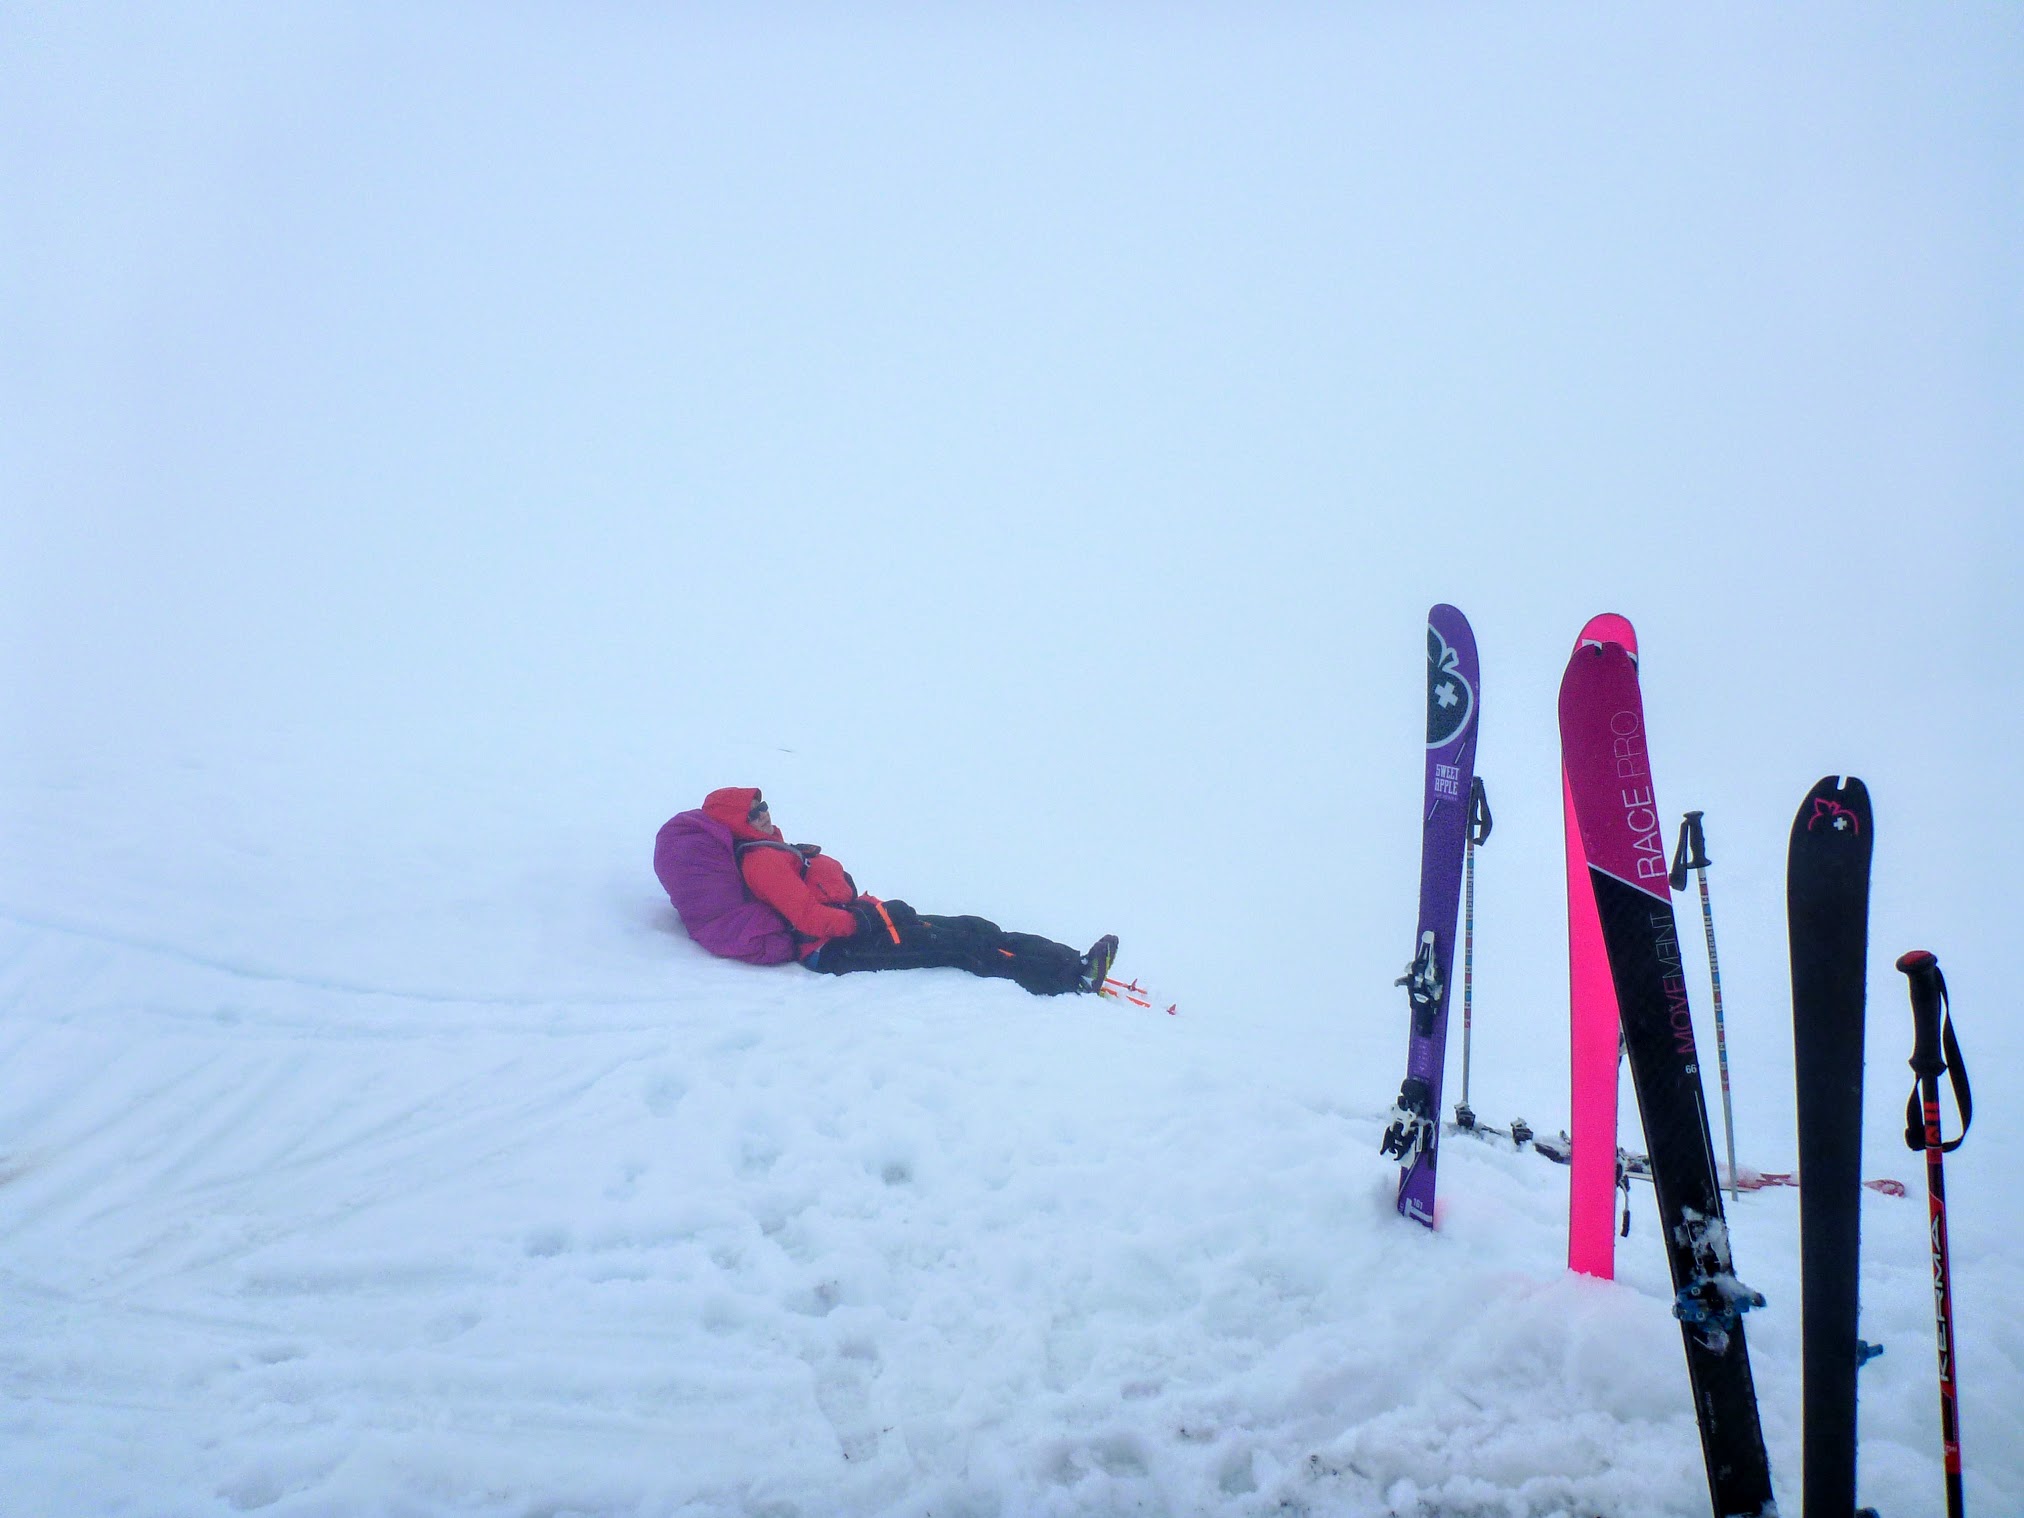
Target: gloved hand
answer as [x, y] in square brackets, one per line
[869, 923]
[901, 914]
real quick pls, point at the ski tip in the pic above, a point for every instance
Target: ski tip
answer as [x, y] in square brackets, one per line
[1609, 627]
[1600, 652]
[1835, 806]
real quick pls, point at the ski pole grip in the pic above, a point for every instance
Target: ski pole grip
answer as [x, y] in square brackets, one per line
[1922, 969]
[1692, 853]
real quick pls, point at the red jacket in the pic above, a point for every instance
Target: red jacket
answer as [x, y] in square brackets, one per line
[801, 883]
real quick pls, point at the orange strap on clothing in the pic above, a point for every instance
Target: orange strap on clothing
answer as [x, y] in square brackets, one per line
[881, 908]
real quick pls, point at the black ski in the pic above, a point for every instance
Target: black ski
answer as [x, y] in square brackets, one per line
[1827, 918]
[1608, 775]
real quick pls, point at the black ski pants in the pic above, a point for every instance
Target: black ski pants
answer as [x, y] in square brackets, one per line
[1042, 966]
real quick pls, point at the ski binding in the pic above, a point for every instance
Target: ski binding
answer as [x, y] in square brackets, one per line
[1422, 981]
[1412, 1125]
[1519, 1133]
[1714, 1302]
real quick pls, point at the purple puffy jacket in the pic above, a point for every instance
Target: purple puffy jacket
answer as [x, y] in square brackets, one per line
[696, 860]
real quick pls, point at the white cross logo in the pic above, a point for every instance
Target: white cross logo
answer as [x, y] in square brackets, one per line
[1445, 694]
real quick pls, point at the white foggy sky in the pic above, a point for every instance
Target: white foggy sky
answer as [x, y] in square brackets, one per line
[1049, 423]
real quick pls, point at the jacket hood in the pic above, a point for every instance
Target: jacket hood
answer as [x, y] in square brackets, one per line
[732, 806]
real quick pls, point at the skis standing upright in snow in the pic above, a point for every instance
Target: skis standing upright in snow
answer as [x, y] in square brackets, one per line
[1608, 772]
[1594, 1034]
[1452, 706]
[1827, 919]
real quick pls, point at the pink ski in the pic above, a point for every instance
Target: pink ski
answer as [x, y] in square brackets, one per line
[1595, 1032]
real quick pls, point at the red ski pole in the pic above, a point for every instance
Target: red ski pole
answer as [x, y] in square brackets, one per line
[1933, 1052]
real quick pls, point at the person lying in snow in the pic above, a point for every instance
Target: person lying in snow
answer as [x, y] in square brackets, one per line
[797, 901]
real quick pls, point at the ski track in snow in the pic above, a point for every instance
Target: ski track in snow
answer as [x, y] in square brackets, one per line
[768, 1243]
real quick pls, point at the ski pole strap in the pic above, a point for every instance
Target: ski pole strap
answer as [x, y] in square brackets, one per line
[1935, 1049]
[1479, 811]
[1957, 1076]
[1692, 852]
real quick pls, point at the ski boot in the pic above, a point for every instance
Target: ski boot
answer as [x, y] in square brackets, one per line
[1097, 962]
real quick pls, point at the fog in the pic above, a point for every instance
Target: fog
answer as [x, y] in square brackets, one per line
[1025, 441]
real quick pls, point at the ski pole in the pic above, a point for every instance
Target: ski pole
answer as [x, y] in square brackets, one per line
[1933, 1053]
[1692, 854]
[1479, 832]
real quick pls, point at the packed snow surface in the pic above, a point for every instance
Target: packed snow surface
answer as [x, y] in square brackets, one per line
[636, 1231]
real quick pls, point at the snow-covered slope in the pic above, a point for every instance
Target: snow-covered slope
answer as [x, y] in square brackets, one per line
[709, 1239]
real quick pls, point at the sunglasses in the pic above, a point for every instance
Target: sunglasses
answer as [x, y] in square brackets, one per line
[757, 808]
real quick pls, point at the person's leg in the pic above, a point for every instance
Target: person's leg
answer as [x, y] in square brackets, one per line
[975, 944]
[877, 951]
[1039, 965]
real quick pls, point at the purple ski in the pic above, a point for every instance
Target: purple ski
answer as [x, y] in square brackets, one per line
[1453, 698]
